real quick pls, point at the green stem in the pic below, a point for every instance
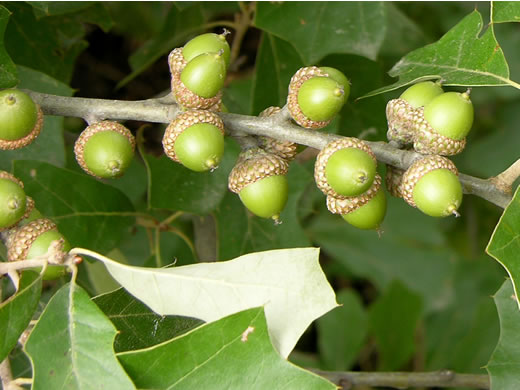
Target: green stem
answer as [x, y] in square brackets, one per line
[158, 259]
[140, 149]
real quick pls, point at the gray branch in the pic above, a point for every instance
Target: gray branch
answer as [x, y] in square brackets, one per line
[164, 110]
[405, 380]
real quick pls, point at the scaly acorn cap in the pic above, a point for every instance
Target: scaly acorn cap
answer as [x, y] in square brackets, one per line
[323, 158]
[394, 180]
[23, 238]
[420, 168]
[285, 149]
[29, 138]
[253, 165]
[182, 122]
[176, 60]
[399, 115]
[344, 206]
[188, 99]
[92, 129]
[301, 76]
[428, 141]
[8, 176]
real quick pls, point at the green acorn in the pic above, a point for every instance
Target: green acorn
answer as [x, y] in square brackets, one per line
[346, 167]
[314, 98]
[199, 84]
[365, 211]
[442, 125]
[432, 185]
[285, 149]
[259, 180]
[400, 113]
[21, 120]
[35, 239]
[195, 139]
[13, 201]
[105, 149]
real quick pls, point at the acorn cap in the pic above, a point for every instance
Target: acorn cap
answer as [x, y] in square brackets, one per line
[253, 165]
[188, 99]
[8, 176]
[323, 158]
[344, 206]
[394, 180]
[420, 168]
[182, 122]
[29, 138]
[285, 149]
[399, 115]
[92, 129]
[428, 141]
[301, 76]
[176, 61]
[23, 238]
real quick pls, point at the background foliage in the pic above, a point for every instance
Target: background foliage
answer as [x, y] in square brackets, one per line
[417, 298]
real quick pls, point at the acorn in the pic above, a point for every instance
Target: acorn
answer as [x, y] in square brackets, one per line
[35, 239]
[21, 120]
[442, 125]
[400, 112]
[13, 201]
[195, 139]
[345, 167]
[259, 180]
[314, 98]
[432, 185]
[339, 77]
[365, 211]
[105, 149]
[394, 180]
[285, 149]
[199, 84]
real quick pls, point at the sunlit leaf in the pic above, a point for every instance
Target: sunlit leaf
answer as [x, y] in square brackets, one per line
[232, 353]
[290, 283]
[71, 346]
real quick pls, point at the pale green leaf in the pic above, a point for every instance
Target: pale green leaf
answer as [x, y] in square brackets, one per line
[71, 346]
[232, 353]
[319, 28]
[504, 245]
[506, 11]
[504, 365]
[464, 56]
[289, 282]
[17, 311]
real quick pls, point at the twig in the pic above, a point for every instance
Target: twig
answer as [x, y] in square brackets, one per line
[405, 380]
[6, 375]
[163, 110]
[505, 180]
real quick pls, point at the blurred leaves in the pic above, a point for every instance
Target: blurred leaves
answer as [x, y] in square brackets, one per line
[317, 29]
[71, 345]
[232, 353]
[504, 366]
[8, 74]
[88, 212]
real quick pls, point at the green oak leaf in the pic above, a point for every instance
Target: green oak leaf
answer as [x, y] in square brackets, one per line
[8, 73]
[462, 57]
[504, 365]
[505, 11]
[17, 311]
[504, 245]
[139, 327]
[289, 282]
[319, 28]
[232, 353]
[71, 345]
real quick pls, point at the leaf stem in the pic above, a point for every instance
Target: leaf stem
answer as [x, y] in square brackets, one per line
[405, 380]
[163, 110]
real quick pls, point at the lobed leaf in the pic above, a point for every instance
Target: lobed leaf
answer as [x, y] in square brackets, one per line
[504, 245]
[319, 28]
[71, 345]
[464, 56]
[289, 283]
[232, 353]
[504, 365]
[17, 311]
